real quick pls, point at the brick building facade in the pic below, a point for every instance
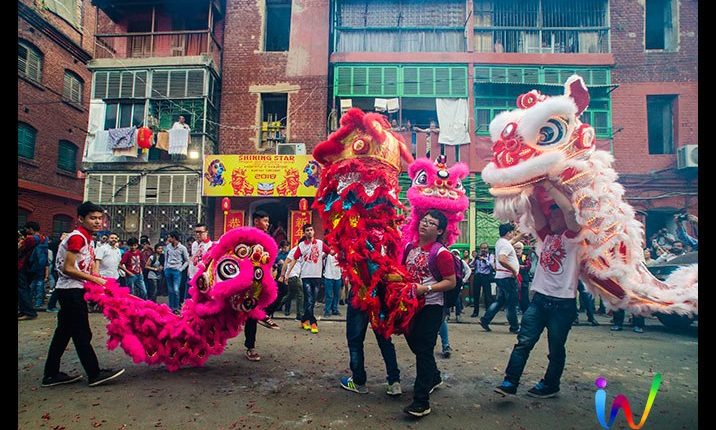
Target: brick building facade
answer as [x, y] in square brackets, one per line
[54, 46]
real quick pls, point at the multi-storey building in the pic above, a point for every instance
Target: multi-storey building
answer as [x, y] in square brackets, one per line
[55, 42]
[153, 64]
[274, 92]
[637, 58]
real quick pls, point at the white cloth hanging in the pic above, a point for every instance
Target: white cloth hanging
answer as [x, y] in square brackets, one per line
[453, 121]
[178, 141]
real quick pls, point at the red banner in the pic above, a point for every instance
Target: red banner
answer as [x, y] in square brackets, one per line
[234, 219]
[298, 219]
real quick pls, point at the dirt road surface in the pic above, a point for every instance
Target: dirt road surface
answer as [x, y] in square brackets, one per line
[295, 385]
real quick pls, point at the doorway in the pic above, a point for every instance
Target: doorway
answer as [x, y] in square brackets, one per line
[277, 209]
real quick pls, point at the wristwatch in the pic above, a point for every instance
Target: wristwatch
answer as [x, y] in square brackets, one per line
[430, 289]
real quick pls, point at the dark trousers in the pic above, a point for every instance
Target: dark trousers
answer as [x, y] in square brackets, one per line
[586, 300]
[310, 293]
[619, 319]
[295, 289]
[556, 315]
[282, 289]
[72, 323]
[481, 282]
[421, 340]
[356, 327]
[524, 296]
[250, 333]
[507, 297]
[24, 294]
[152, 288]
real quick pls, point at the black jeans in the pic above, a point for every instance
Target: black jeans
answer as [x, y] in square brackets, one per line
[557, 315]
[72, 323]
[587, 300]
[24, 294]
[282, 289]
[481, 282]
[421, 340]
[356, 327]
[250, 333]
[507, 297]
[524, 296]
[619, 319]
[310, 294]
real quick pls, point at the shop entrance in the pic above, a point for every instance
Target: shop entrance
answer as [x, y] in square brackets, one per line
[277, 209]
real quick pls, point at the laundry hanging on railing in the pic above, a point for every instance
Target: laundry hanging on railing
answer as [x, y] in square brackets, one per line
[178, 141]
[122, 138]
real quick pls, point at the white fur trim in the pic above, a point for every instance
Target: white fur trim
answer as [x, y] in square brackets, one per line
[521, 172]
[536, 117]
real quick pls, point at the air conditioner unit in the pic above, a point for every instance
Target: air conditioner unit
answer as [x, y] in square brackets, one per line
[687, 156]
[291, 149]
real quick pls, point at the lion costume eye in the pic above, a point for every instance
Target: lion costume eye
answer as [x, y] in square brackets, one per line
[553, 132]
[421, 178]
[242, 251]
[227, 269]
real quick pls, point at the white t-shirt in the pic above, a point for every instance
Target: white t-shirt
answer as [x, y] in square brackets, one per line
[109, 260]
[557, 272]
[504, 247]
[197, 252]
[310, 256]
[296, 270]
[418, 265]
[333, 270]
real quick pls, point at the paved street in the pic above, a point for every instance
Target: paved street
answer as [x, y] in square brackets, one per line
[295, 385]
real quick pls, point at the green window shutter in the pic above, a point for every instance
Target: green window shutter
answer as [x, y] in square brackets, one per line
[426, 81]
[140, 84]
[160, 84]
[482, 74]
[442, 82]
[100, 85]
[410, 81]
[458, 81]
[375, 81]
[531, 75]
[551, 76]
[390, 81]
[67, 156]
[26, 136]
[360, 81]
[343, 81]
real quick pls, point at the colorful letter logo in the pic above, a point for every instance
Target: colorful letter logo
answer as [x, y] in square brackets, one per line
[621, 402]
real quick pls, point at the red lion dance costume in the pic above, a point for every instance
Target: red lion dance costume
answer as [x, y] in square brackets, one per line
[436, 187]
[233, 283]
[544, 138]
[357, 199]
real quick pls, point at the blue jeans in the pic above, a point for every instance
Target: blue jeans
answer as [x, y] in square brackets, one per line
[173, 279]
[38, 290]
[333, 294]
[310, 292]
[444, 334]
[356, 326]
[556, 315]
[24, 294]
[136, 286]
[507, 297]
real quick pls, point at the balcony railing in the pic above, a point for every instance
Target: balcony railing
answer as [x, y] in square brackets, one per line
[583, 40]
[158, 44]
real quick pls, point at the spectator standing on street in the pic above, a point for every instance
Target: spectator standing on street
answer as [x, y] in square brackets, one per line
[176, 260]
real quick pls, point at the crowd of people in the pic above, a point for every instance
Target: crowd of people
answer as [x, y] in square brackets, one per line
[533, 294]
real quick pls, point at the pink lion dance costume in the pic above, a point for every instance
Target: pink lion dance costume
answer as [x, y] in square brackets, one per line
[233, 283]
[436, 187]
[545, 138]
[357, 199]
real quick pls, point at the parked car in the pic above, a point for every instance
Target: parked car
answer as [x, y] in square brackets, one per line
[661, 272]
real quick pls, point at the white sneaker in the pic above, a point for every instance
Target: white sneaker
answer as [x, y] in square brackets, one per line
[394, 389]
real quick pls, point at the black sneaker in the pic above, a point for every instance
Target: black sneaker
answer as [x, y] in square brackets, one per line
[436, 385]
[59, 379]
[104, 375]
[542, 391]
[506, 388]
[446, 352]
[484, 325]
[417, 410]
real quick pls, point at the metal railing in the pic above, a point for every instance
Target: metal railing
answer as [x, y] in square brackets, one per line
[158, 44]
[553, 40]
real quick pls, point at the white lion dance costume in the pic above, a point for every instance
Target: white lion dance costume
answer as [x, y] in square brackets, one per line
[545, 138]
